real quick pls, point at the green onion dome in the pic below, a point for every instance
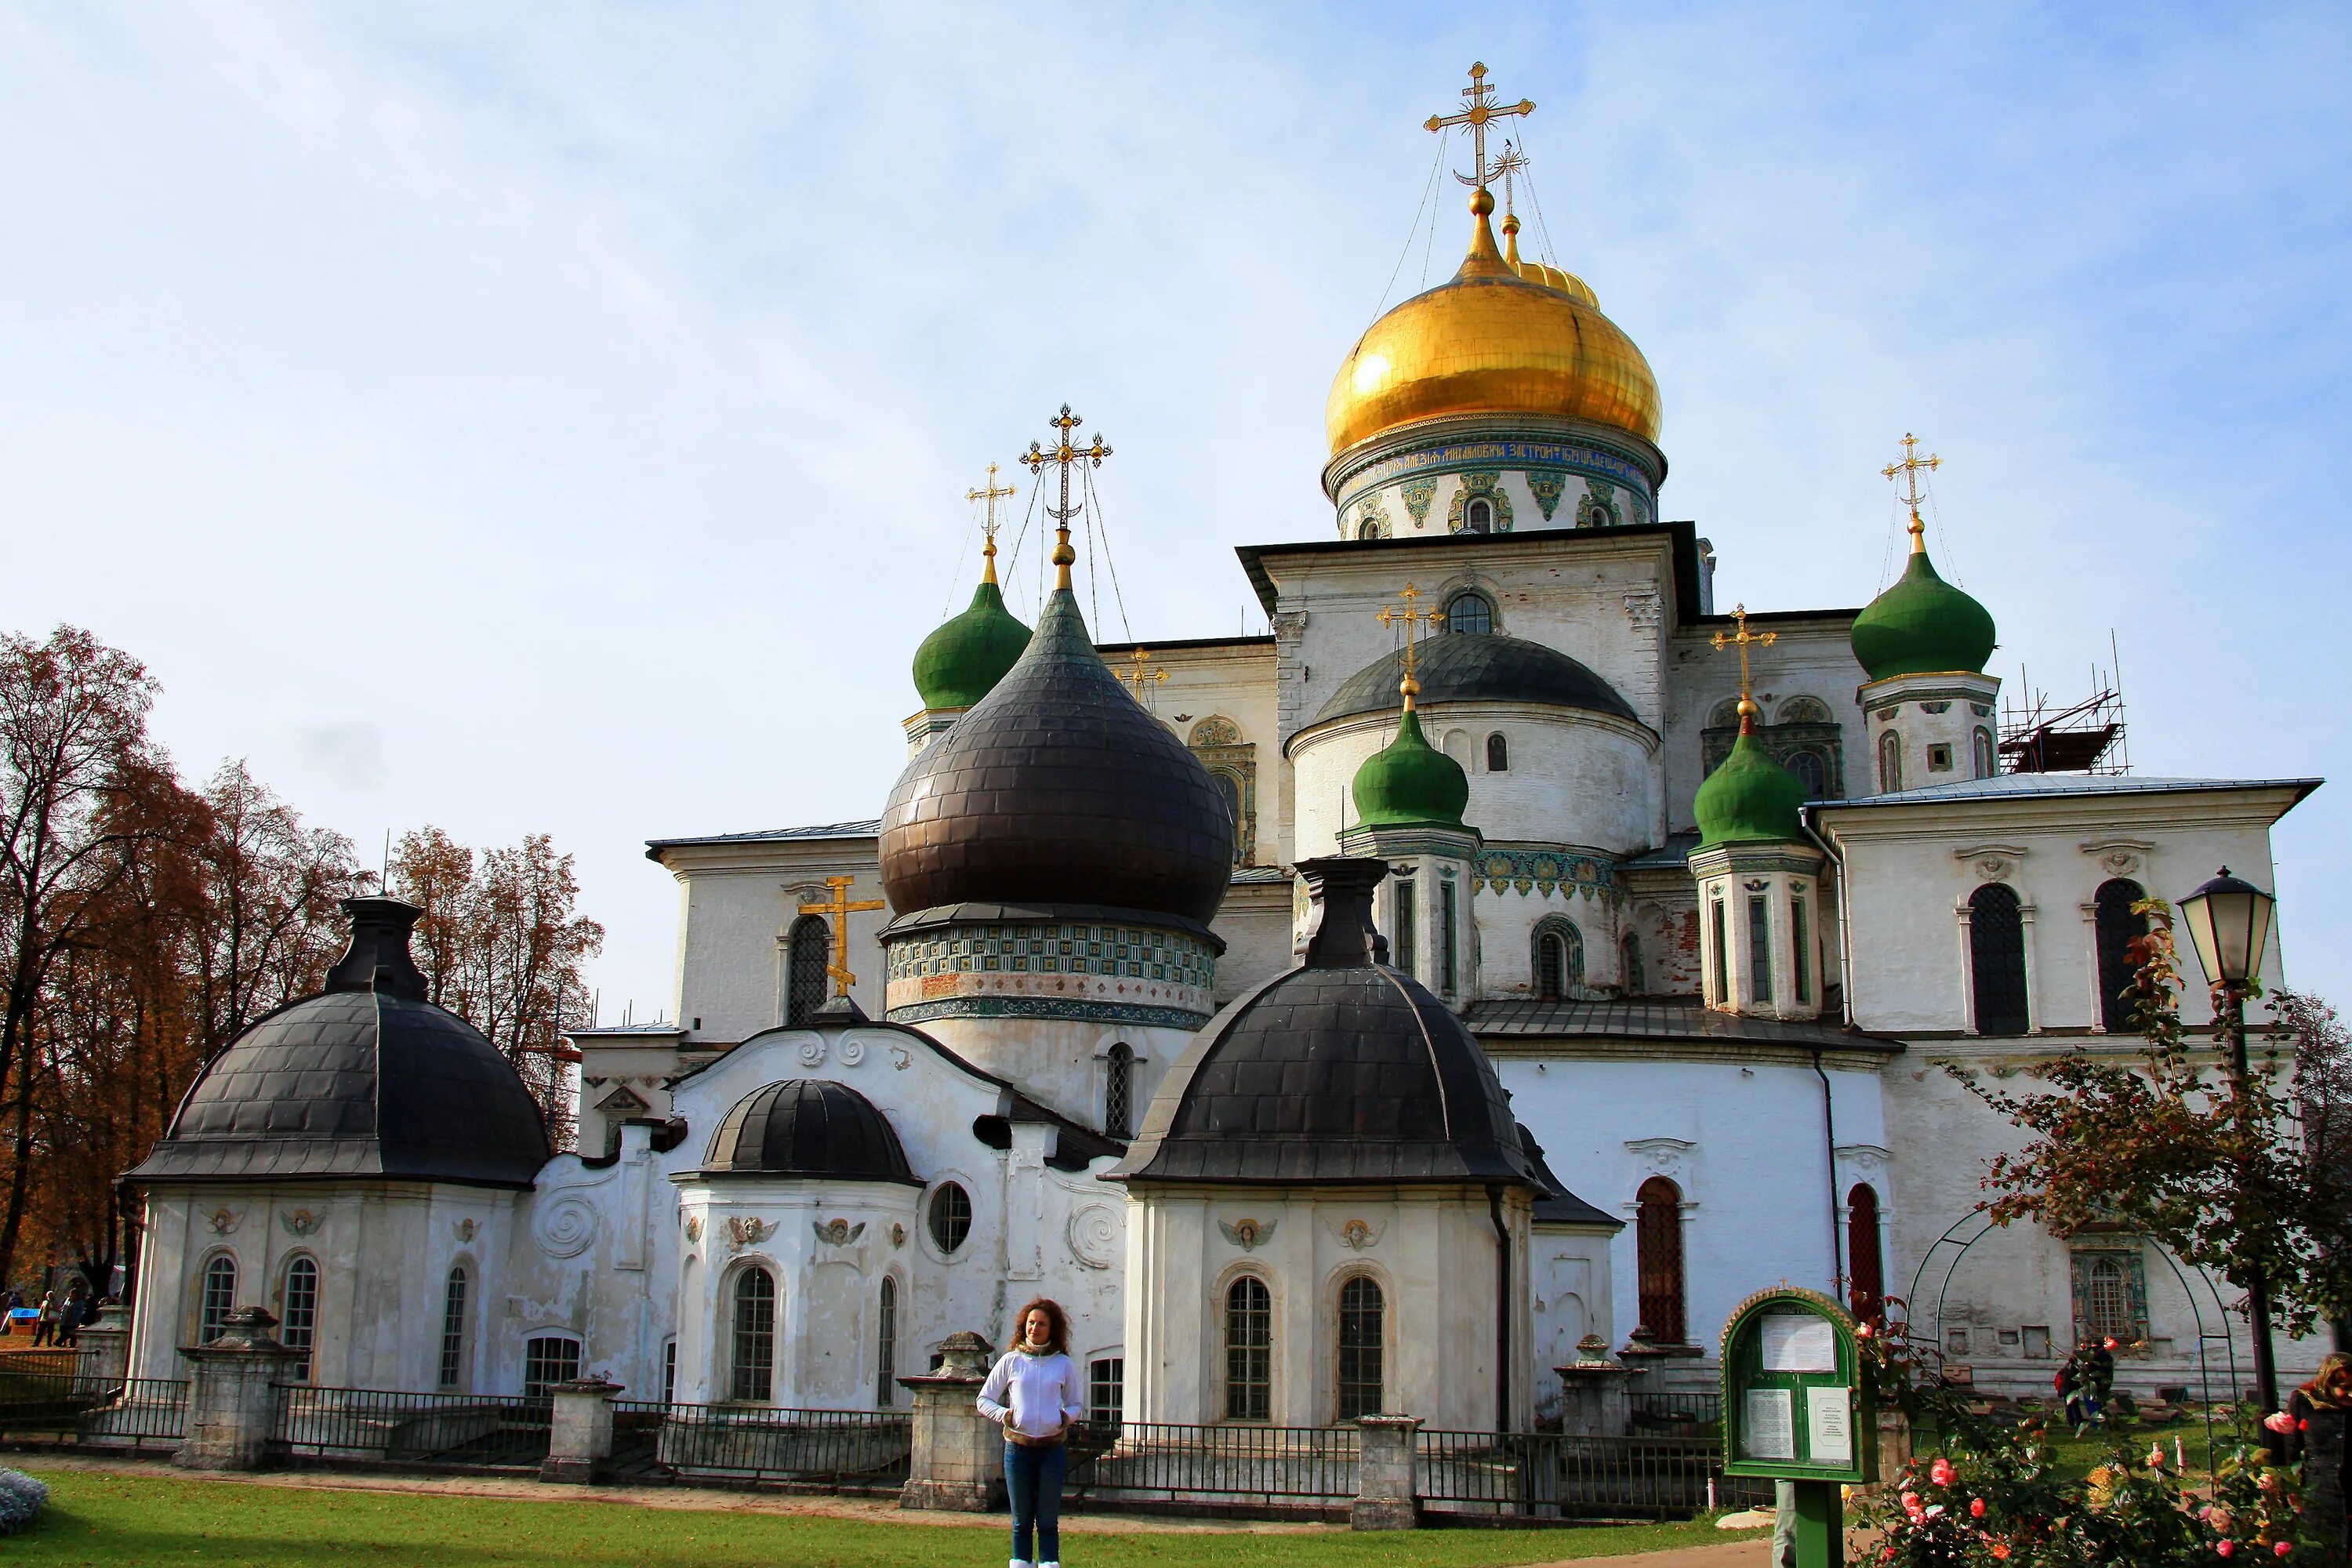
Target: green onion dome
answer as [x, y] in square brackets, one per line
[1411, 781]
[1750, 798]
[1922, 625]
[962, 662]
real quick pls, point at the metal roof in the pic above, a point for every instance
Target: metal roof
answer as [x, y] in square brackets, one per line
[2031, 786]
[1660, 1018]
[867, 829]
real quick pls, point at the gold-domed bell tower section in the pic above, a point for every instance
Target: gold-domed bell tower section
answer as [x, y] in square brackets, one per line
[1501, 400]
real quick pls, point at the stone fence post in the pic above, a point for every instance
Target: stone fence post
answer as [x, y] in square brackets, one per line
[958, 1461]
[580, 1430]
[1593, 1395]
[1386, 1497]
[105, 1347]
[232, 1393]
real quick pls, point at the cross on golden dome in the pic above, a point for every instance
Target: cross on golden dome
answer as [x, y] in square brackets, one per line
[1066, 455]
[1413, 620]
[1912, 465]
[1483, 112]
[838, 912]
[989, 493]
[1741, 642]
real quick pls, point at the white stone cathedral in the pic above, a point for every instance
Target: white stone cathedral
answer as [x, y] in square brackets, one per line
[1359, 1020]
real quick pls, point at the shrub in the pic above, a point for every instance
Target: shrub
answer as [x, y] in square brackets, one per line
[21, 1500]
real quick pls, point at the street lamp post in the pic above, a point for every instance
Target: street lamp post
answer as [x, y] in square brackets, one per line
[2229, 922]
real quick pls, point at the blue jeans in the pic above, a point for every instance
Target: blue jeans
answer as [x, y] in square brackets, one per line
[1033, 1480]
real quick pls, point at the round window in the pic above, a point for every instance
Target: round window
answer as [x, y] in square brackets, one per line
[951, 1216]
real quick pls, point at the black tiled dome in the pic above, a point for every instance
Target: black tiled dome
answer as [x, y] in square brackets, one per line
[1341, 1070]
[367, 1079]
[808, 1127]
[1058, 788]
[1478, 667]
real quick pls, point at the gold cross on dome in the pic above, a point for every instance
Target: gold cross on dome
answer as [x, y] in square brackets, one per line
[1065, 454]
[1741, 642]
[990, 494]
[1912, 465]
[838, 912]
[1413, 620]
[1483, 112]
[1138, 674]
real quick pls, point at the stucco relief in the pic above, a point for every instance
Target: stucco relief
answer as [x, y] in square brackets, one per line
[836, 1232]
[466, 1229]
[851, 1052]
[301, 1222]
[1247, 1233]
[1991, 862]
[743, 1231]
[812, 1052]
[1666, 1157]
[1642, 609]
[224, 1221]
[563, 1225]
[694, 1228]
[1093, 1235]
[1357, 1234]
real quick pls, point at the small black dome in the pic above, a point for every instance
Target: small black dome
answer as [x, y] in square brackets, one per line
[808, 1127]
[1058, 788]
[1478, 667]
[367, 1079]
[1343, 1070]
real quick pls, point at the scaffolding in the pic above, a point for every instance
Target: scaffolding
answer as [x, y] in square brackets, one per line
[2037, 737]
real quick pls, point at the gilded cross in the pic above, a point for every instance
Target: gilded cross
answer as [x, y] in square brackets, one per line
[1138, 674]
[989, 493]
[1413, 620]
[1483, 112]
[1741, 642]
[1065, 454]
[1912, 465]
[1508, 162]
[838, 912]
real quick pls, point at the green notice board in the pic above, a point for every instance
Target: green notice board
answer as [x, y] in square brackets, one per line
[1798, 1400]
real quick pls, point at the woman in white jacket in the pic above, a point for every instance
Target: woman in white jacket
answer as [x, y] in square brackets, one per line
[1034, 1394]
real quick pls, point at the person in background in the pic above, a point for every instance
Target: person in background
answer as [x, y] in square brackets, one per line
[1034, 1393]
[45, 1327]
[2098, 1379]
[76, 1313]
[2069, 1392]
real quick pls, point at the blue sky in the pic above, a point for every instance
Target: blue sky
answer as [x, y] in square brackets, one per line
[557, 419]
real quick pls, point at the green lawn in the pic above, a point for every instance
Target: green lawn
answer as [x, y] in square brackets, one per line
[114, 1518]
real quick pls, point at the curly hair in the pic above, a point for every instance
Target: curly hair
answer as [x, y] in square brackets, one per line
[1058, 1337]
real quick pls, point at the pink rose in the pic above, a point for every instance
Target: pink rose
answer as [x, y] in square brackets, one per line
[2279, 1421]
[1941, 1472]
[1862, 1331]
[2227, 1548]
[2281, 1549]
[1976, 1508]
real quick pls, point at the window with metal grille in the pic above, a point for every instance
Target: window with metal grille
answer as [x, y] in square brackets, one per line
[548, 1359]
[1559, 958]
[1801, 955]
[1637, 981]
[2110, 1297]
[1890, 762]
[219, 1295]
[885, 1343]
[298, 1323]
[951, 1215]
[1760, 947]
[752, 1369]
[1997, 960]
[1249, 1350]
[1107, 1389]
[453, 1329]
[1469, 612]
[807, 954]
[1721, 952]
[1363, 1336]
[1118, 1091]
[1658, 1253]
[1401, 948]
[1478, 517]
[2117, 927]
[1498, 754]
[1449, 940]
[1866, 1269]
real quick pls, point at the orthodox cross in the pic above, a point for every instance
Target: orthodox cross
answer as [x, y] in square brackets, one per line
[1138, 674]
[1066, 455]
[1413, 620]
[1912, 465]
[839, 912]
[1509, 161]
[988, 529]
[1483, 112]
[1741, 642]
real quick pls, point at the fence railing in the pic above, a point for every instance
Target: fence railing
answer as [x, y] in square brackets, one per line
[1543, 1475]
[475, 1430]
[1267, 1465]
[109, 1411]
[1663, 1413]
[841, 1450]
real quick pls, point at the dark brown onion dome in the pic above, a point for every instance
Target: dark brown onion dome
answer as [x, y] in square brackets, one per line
[1476, 666]
[367, 1079]
[809, 1127]
[1342, 1069]
[1058, 788]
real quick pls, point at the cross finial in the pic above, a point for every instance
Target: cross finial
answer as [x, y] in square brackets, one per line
[1912, 465]
[838, 912]
[1742, 642]
[989, 493]
[1066, 455]
[1483, 112]
[1413, 620]
[1138, 676]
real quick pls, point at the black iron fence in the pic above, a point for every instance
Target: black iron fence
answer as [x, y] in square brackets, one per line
[1698, 1416]
[481, 1431]
[841, 1450]
[53, 1401]
[1267, 1465]
[1543, 1475]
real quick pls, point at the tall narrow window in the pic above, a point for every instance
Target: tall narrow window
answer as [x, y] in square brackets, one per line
[218, 1297]
[1722, 954]
[2118, 928]
[886, 1344]
[1478, 517]
[453, 1329]
[1469, 613]
[1637, 981]
[1559, 959]
[1658, 1252]
[1362, 1338]
[1118, 1091]
[1988, 764]
[1865, 1270]
[1449, 940]
[1801, 955]
[1997, 960]
[754, 1364]
[1498, 754]
[805, 965]
[548, 1359]
[1890, 762]
[298, 1325]
[669, 1370]
[1760, 947]
[1107, 1389]
[1249, 1350]
[1405, 913]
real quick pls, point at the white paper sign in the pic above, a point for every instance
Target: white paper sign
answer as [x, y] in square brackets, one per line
[1829, 1426]
[1769, 1430]
[1797, 1341]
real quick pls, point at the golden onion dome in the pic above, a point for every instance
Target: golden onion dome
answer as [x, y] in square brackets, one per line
[1489, 340]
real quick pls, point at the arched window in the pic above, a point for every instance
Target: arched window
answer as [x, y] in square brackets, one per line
[1118, 1091]
[297, 1322]
[1658, 1253]
[1249, 1350]
[1498, 754]
[1997, 960]
[885, 1343]
[951, 1216]
[753, 1370]
[1362, 1331]
[804, 966]
[1368, 528]
[218, 1295]
[548, 1359]
[1559, 958]
[1890, 762]
[453, 1329]
[1637, 982]
[1811, 772]
[2108, 1300]
[1865, 1270]
[1469, 612]
[1478, 516]
[1988, 761]
[2117, 929]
